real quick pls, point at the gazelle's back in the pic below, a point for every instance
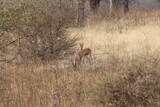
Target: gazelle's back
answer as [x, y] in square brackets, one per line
[85, 52]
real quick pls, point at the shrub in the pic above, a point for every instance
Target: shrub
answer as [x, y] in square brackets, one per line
[137, 86]
[32, 32]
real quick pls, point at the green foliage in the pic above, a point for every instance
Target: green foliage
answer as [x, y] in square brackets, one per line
[37, 32]
[11, 17]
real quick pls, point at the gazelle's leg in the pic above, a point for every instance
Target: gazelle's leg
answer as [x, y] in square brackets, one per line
[83, 60]
[87, 59]
[90, 56]
[79, 63]
[90, 61]
[75, 66]
[72, 62]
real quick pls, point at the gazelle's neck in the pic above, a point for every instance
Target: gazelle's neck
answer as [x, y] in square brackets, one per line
[81, 46]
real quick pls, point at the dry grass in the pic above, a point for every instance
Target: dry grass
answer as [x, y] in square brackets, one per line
[125, 69]
[133, 29]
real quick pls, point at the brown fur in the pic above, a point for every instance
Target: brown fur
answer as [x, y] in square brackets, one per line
[84, 52]
[79, 55]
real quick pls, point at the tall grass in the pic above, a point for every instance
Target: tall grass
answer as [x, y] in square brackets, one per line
[125, 69]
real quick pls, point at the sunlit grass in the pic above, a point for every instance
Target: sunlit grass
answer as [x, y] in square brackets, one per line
[124, 70]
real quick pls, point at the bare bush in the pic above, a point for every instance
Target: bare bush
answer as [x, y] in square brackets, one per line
[37, 33]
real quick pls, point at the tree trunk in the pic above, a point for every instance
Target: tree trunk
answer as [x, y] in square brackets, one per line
[126, 7]
[114, 5]
[111, 6]
[94, 4]
[80, 12]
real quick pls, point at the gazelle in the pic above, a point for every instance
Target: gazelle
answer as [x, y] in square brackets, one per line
[79, 55]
